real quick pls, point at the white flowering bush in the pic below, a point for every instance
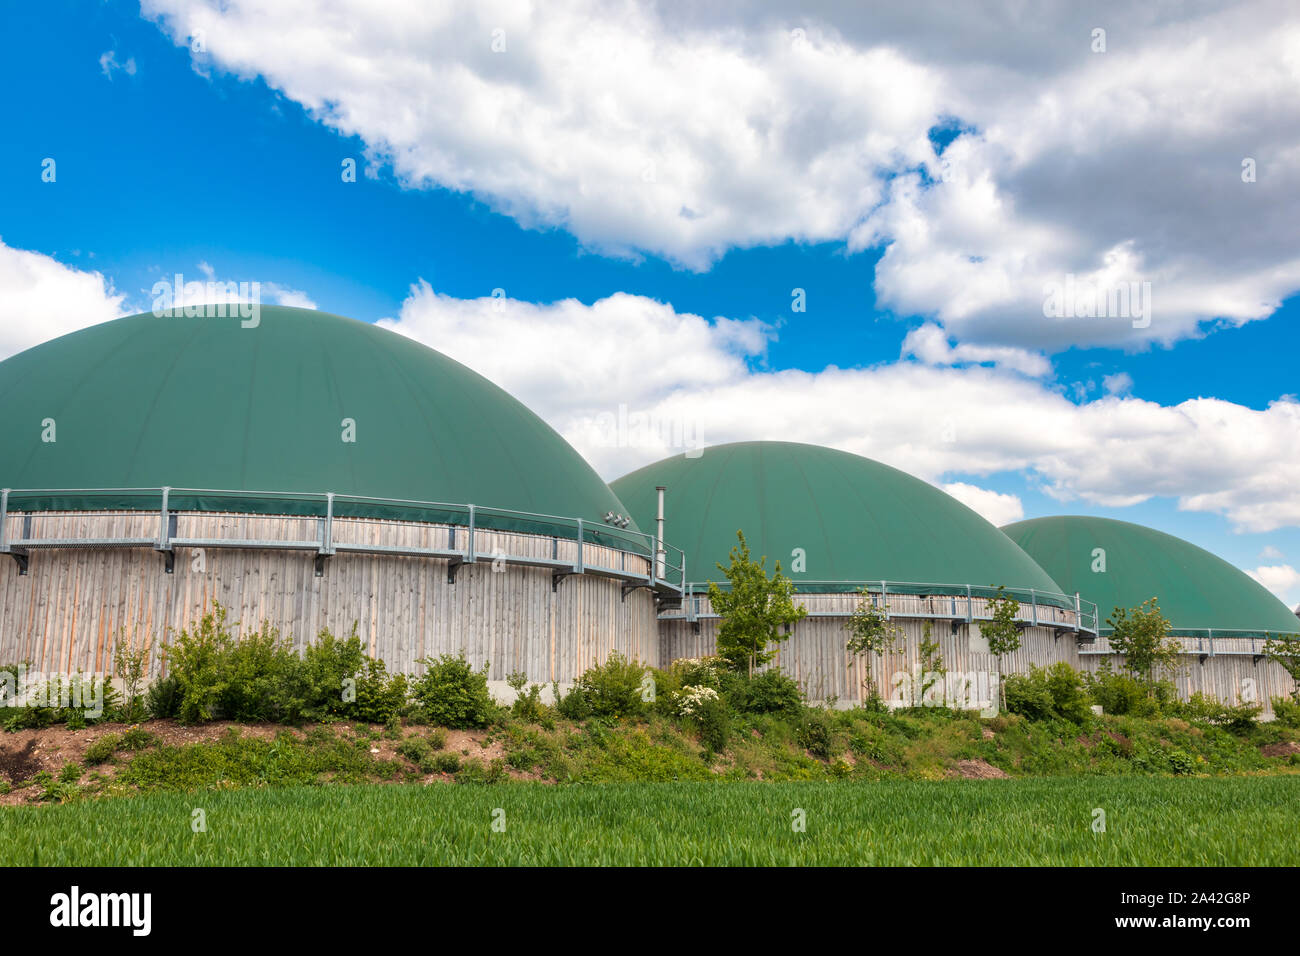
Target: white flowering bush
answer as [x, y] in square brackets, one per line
[691, 698]
[699, 671]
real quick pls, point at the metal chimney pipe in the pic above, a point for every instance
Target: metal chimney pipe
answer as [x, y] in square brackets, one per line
[660, 554]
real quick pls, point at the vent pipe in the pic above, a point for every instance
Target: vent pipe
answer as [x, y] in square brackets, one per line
[660, 554]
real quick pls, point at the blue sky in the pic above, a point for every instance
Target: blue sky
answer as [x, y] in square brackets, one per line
[166, 161]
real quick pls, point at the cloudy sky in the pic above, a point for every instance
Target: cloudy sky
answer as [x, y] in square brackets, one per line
[1046, 256]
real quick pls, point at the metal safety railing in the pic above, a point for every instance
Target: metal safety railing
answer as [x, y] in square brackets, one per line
[957, 602]
[1206, 642]
[473, 532]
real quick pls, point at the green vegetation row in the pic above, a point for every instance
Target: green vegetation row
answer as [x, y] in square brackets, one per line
[1112, 822]
[854, 746]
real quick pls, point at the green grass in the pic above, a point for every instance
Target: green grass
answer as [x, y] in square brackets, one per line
[1149, 821]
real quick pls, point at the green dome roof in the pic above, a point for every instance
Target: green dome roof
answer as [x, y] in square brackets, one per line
[1194, 588]
[855, 519]
[205, 403]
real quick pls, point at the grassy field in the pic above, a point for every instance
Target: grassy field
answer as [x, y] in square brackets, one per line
[1149, 821]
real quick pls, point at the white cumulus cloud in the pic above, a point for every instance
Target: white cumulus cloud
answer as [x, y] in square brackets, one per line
[1282, 579]
[41, 298]
[627, 380]
[995, 506]
[685, 130]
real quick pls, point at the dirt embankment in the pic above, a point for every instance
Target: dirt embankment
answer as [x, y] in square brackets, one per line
[25, 753]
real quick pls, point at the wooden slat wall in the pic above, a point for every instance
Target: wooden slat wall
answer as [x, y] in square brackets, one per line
[68, 611]
[1232, 679]
[815, 656]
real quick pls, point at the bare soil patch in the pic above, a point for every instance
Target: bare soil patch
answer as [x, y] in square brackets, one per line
[1284, 749]
[18, 763]
[976, 770]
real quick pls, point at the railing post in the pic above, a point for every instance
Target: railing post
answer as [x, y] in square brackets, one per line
[1033, 603]
[884, 598]
[577, 564]
[654, 566]
[164, 539]
[327, 534]
[970, 606]
[469, 546]
[1210, 631]
[4, 513]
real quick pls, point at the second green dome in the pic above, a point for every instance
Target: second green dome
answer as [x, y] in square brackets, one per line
[854, 519]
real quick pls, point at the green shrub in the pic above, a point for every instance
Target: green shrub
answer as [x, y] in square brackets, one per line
[1200, 707]
[102, 750]
[527, 705]
[77, 700]
[476, 772]
[1120, 694]
[71, 772]
[713, 720]
[444, 762]
[613, 689]
[450, 693]
[572, 705]
[768, 692]
[1240, 718]
[381, 696]
[1286, 711]
[816, 734]
[215, 675]
[264, 679]
[1069, 698]
[1051, 693]
[136, 738]
[199, 661]
[328, 665]
[1028, 694]
[878, 745]
[700, 671]
[414, 749]
[1181, 762]
[163, 698]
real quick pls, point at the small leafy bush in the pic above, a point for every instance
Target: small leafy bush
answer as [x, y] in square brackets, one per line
[450, 693]
[527, 704]
[1050, 693]
[163, 698]
[816, 734]
[1121, 694]
[137, 738]
[769, 692]
[713, 718]
[414, 749]
[102, 750]
[1181, 762]
[214, 674]
[77, 700]
[476, 772]
[1286, 711]
[381, 696]
[617, 688]
[1240, 718]
[445, 762]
